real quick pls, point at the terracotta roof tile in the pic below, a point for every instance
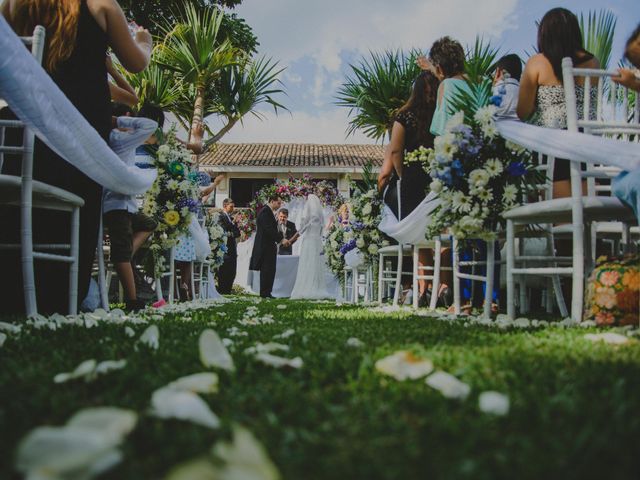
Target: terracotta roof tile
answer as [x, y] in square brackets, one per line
[289, 155]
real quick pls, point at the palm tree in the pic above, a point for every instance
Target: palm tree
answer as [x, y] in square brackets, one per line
[156, 85]
[377, 88]
[193, 50]
[240, 89]
[598, 29]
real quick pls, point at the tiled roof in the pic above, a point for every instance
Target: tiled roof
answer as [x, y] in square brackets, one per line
[291, 155]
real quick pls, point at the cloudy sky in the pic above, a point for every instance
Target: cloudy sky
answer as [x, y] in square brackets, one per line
[317, 40]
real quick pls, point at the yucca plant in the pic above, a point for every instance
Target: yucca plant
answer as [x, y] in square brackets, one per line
[240, 89]
[598, 29]
[375, 91]
[193, 50]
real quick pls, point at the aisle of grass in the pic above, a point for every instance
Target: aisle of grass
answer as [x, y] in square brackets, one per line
[574, 404]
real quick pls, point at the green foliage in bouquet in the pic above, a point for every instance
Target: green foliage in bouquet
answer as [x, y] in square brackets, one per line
[217, 240]
[173, 198]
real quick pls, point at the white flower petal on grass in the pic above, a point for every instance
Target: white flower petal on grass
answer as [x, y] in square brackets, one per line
[84, 448]
[110, 365]
[404, 365]
[85, 370]
[284, 335]
[266, 348]
[448, 385]
[129, 332]
[3, 338]
[608, 337]
[151, 337]
[355, 342]
[281, 306]
[213, 353]
[113, 423]
[279, 362]
[200, 469]
[9, 328]
[245, 458]
[227, 342]
[206, 382]
[183, 405]
[494, 403]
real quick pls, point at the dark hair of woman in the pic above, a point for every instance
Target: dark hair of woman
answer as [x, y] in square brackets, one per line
[422, 101]
[448, 54]
[559, 36]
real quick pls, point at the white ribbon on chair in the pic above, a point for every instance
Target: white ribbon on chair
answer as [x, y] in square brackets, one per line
[412, 228]
[574, 146]
[40, 104]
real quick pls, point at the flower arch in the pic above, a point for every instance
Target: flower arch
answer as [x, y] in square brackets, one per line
[288, 190]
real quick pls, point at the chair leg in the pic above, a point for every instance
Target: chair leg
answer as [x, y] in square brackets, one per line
[511, 308]
[456, 280]
[172, 272]
[73, 267]
[102, 284]
[416, 272]
[489, 270]
[380, 276]
[28, 275]
[437, 265]
[398, 289]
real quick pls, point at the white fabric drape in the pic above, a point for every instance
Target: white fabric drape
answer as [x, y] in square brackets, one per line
[413, 227]
[40, 104]
[571, 145]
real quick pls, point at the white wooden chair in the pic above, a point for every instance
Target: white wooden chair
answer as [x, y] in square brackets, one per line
[357, 279]
[171, 273]
[27, 194]
[581, 212]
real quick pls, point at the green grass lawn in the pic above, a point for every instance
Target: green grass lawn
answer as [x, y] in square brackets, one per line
[575, 405]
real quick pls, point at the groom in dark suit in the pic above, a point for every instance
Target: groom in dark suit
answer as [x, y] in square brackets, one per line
[265, 246]
[288, 230]
[227, 272]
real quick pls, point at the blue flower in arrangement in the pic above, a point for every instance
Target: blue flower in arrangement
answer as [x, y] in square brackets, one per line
[456, 165]
[464, 130]
[517, 169]
[224, 248]
[347, 247]
[357, 225]
[203, 179]
[190, 203]
[496, 100]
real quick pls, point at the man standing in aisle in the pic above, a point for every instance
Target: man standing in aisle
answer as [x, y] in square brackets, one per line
[227, 271]
[265, 250]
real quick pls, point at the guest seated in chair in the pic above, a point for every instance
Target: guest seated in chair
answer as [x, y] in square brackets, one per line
[289, 233]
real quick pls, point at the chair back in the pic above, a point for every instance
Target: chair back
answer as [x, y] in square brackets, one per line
[37, 44]
[613, 112]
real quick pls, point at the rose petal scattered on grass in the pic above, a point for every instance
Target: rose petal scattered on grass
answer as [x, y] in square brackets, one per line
[284, 335]
[266, 348]
[200, 469]
[151, 337]
[3, 338]
[404, 365]
[129, 332]
[206, 382]
[213, 353]
[494, 403]
[607, 337]
[84, 448]
[355, 342]
[183, 405]
[281, 307]
[9, 328]
[110, 365]
[279, 362]
[448, 385]
[85, 370]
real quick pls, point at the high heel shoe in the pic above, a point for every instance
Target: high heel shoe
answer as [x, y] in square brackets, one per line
[445, 299]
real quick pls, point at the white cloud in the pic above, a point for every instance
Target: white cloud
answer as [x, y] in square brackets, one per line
[297, 127]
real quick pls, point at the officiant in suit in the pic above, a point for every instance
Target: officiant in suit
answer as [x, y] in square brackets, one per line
[265, 246]
[227, 272]
[288, 230]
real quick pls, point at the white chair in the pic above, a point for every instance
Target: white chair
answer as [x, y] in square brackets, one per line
[171, 273]
[578, 210]
[26, 193]
[358, 279]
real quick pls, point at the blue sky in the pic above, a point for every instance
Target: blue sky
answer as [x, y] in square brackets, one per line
[317, 40]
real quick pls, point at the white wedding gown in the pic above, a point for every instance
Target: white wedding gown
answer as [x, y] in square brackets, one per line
[310, 279]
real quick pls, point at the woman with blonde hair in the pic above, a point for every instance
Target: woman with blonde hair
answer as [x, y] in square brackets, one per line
[78, 34]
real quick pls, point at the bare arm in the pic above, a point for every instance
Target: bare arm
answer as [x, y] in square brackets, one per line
[385, 170]
[134, 53]
[528, 90]
[627, 78]
[396, 147]
[121, 91]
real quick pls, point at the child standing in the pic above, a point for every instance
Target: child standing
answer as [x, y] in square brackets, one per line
[506, 85]
[128, 228]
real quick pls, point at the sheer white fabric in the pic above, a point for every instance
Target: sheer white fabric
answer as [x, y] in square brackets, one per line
[38, 102]
[412, 228]
[571, 145]
[310, 279]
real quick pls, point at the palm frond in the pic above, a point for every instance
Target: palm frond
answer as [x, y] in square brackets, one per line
[598, 29]
[480, 60]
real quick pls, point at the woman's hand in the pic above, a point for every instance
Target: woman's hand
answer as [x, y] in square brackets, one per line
[143, 37]
[627, 78]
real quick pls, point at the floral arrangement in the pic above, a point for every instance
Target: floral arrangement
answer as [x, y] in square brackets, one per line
[361, 232]
[476, 174]
[217, 239]
[613, 292]
[287, 190]
[173, 198]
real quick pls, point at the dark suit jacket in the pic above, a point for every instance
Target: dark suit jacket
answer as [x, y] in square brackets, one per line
[291, 231]
[267, 236]
[233, 232]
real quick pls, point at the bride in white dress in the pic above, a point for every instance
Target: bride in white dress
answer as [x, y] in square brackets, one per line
[310, 279]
